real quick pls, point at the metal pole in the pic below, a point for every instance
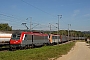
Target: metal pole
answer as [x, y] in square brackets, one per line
[59, 16]
[30, 23]
[50, 28]
[58, 24]
[68, 31]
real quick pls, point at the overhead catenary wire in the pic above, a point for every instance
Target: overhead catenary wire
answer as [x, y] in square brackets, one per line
[10, 16]
[11, 20]
[28, 3]
[38, 8]
[7, 15]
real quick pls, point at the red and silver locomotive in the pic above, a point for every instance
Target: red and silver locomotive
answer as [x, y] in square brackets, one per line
[28, 39]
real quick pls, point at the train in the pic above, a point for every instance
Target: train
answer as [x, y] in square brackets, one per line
[23, 40]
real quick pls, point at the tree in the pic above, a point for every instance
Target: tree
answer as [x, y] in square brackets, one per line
[5, 27]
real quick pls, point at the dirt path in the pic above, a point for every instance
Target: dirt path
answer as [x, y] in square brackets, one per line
[81, 51]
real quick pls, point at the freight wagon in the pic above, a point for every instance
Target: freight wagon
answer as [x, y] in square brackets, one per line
[4, 39]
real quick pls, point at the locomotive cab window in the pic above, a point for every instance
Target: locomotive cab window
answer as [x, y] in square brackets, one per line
[16, 36]
[55, 37]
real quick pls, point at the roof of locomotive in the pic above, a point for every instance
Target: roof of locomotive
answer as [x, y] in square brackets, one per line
[31, 33]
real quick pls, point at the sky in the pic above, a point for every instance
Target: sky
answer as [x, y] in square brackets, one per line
[43, 13]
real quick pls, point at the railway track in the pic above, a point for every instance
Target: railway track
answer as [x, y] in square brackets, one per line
[4, 49]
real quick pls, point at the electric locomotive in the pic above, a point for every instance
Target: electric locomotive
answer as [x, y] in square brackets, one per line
[28, 39]
[55, 39]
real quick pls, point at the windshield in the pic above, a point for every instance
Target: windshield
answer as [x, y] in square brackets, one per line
[15, 36]
[55, 37]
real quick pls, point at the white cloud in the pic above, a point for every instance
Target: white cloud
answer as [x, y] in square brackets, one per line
[75, 13]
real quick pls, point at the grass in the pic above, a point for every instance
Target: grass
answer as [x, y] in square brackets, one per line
[43, 53]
